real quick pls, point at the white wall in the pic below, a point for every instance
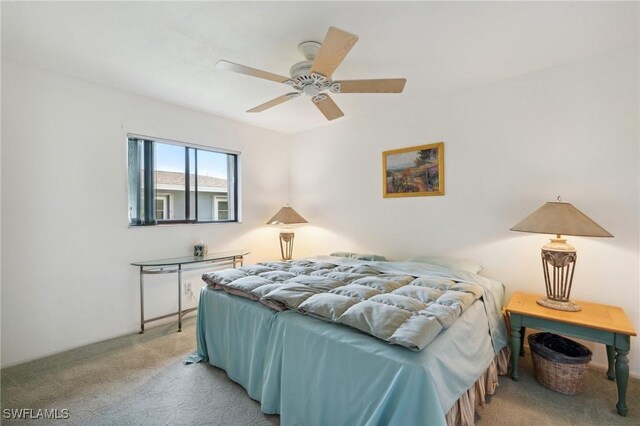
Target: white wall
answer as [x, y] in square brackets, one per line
[66, 247]
[510, 146]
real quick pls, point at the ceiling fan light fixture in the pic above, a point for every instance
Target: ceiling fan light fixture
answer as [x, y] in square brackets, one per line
[312, 89]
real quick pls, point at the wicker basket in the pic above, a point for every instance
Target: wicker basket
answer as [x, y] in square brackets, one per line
[559, 364]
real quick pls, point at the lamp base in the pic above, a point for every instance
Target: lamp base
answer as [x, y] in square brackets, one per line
[286, 245]
[558, 265]
[558, 305]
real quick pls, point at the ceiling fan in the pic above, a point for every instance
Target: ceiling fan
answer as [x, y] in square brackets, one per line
[313, 76]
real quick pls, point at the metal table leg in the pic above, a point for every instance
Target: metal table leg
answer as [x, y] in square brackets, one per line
[179, 298]
[141, 302]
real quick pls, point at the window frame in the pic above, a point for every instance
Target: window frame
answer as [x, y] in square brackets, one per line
[233, 187]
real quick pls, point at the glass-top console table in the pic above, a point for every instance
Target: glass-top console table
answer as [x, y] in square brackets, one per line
[179, 265]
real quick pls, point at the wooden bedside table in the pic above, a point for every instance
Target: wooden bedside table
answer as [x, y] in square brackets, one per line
[596, 323]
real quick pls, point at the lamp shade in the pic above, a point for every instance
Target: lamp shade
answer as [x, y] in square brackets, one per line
[560, 219]
[286, 216]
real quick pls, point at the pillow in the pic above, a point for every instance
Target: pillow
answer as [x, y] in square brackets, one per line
[460, 265]
[358, 256]
[223, 277]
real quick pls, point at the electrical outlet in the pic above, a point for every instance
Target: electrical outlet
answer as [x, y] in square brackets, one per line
[187, 287]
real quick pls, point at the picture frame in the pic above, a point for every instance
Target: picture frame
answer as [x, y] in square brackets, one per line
[417, 171]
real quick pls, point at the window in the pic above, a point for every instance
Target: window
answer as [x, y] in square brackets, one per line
[220, 208]
[171, 182]
[162, 207]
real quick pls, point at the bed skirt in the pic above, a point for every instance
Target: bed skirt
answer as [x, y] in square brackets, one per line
[463, 411]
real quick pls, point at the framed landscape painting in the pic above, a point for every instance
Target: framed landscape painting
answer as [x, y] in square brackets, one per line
[413, 172]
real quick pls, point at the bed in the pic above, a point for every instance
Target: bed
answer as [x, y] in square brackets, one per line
[315, 371]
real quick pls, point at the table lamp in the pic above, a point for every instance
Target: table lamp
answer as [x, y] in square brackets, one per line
[559, 257]
[286, 216]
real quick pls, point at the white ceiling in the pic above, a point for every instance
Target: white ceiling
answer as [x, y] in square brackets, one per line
[168, 50]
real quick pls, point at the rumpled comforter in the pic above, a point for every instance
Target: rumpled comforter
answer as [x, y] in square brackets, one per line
[402, 303]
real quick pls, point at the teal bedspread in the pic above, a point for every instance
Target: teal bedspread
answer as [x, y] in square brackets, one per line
[232, 333]
[317, 373]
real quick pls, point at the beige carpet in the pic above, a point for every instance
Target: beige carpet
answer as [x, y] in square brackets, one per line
[140, 380]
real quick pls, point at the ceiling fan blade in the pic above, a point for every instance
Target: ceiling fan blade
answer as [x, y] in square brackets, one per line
[230, 66]
[274, 102]
[336, 45]
[386, 85]
[326, 105]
